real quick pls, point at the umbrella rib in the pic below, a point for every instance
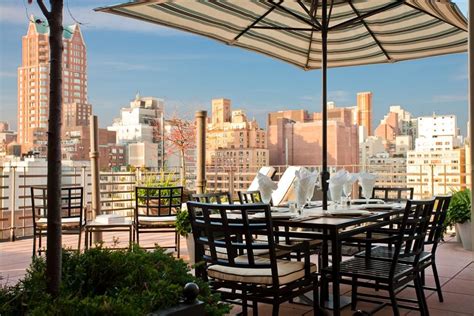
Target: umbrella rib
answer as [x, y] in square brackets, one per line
[309, 49]
[434, 16]
[365, 15]
[370, 31]
[279, 6]
[255, 22]
[315, 21]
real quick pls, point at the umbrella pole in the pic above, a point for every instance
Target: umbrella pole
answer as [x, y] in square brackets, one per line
[324, 37]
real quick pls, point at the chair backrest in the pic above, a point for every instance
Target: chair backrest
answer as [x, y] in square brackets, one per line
[216, 197]
[72, 202]
[412, 231]
[392, 194]
[157, 201]
[435, 225]
[249, 197]
[214, 228]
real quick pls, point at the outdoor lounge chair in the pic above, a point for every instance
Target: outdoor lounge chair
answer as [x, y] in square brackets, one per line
[155, 211]
[72, 214]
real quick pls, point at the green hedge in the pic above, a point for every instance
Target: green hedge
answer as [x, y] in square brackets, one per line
[104, 282]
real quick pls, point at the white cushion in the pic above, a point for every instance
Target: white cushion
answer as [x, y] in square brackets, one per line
[285, 191]
[288, 271]
[65, 222]
[157, 220]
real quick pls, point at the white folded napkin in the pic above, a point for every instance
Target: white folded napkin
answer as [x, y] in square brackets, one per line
[367, 182]
[304, 185]
[336, 184]
[266, 187]
[350, 178]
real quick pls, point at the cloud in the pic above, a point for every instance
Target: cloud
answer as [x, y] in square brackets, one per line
[125, 66]
[90, 20]
[446, 98]
[8, 74]
[461, 75]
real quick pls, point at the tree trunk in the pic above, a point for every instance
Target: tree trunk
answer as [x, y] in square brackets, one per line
[182, 174]
[54, 251]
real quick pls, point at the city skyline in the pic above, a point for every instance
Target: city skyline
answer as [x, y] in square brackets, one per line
[168, 64]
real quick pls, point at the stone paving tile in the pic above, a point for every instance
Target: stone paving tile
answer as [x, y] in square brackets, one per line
[454, 302]
[459, 286]
[466, 274]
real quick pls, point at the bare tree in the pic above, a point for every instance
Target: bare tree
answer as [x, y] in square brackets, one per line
[53, 253]
[181, 138]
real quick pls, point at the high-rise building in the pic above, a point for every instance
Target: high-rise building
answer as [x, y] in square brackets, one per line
[364, 111]
[33, 81]
[294, 138]
[437, 164]
[142, 122]
[234, 144]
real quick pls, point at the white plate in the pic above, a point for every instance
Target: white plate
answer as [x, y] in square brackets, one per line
[376, 206]
[280, 209]
[348, 212]
[276, 215]
[364, 201]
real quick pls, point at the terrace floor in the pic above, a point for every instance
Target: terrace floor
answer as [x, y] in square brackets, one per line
[455, 267]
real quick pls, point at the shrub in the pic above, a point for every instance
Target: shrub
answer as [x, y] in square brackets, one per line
[183, 223]
[459, 210]
[104, 282]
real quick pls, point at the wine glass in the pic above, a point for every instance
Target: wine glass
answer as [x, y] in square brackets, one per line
[347, 190]
[266, 196]
[367, 188]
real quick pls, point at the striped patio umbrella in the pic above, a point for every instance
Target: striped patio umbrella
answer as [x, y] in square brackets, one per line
[316, 34]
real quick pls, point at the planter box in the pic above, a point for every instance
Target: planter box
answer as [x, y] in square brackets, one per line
[195, 309]
[191, 248]
[464, 232]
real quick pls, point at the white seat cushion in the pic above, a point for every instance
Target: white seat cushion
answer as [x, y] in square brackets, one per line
[288, 271]
[68, 222]
[157, 220]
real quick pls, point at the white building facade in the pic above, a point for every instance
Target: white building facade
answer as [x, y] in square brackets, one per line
[437, 164]
[142, 123]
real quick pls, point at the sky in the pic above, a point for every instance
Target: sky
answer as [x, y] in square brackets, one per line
[126, 56]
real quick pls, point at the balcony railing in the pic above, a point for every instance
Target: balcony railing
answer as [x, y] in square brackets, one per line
[117, 188]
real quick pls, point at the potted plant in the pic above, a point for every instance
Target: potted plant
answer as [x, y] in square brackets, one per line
[459, 214]
[183, 227]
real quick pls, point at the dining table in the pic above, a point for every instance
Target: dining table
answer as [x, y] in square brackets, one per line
[332, 228]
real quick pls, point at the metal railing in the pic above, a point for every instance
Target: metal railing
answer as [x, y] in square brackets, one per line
[117, 187]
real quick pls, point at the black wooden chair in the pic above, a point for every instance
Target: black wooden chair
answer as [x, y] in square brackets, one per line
[155, 211]
[391, 274]
[244, 274]
[249, 197]
[72, 213]
[216, 197]
[391, 194]
[388, 195]
[433, 237]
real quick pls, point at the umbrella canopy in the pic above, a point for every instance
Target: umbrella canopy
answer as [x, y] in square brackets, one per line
[316, 34]
[359, 32]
